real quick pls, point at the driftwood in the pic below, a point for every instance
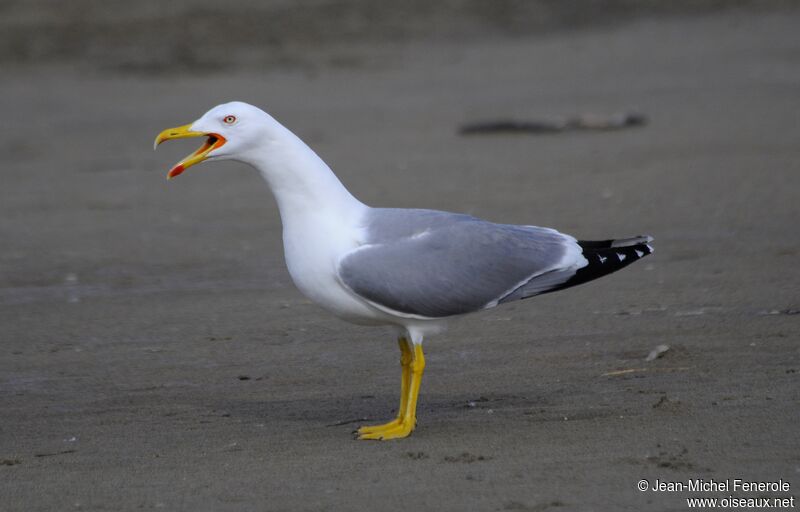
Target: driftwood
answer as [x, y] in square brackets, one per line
[546, 126]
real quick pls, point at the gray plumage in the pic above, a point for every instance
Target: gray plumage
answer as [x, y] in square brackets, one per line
[437, 264]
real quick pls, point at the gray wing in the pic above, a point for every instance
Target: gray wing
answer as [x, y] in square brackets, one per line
[436, 264]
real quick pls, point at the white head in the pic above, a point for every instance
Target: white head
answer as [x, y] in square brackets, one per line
[233, 130]
[238, 131]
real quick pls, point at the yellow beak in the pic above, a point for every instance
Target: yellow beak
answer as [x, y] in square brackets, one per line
[213, 142]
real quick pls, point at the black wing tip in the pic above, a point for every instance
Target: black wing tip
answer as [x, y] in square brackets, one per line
[603, 257]
[607, 256]
[596, 245]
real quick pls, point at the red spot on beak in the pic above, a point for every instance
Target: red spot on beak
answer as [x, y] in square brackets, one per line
[175, 171]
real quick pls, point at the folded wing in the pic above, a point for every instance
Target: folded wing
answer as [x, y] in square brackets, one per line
[431, 264]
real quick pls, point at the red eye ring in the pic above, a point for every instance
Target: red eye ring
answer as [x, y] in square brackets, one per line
[229, 119]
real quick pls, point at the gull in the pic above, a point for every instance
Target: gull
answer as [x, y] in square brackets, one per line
[411, 269]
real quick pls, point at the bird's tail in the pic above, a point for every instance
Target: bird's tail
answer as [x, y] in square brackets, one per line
[607, 256]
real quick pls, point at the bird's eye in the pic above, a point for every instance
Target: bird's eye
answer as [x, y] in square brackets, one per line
[229, 119]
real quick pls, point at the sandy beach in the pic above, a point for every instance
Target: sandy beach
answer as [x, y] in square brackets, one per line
[156, 355]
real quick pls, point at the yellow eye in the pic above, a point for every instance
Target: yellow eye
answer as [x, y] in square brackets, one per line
[229, 119]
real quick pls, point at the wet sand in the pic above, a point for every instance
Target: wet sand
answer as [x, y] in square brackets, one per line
[155, 354]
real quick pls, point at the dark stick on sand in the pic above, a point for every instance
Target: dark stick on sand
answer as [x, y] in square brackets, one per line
[547, 126]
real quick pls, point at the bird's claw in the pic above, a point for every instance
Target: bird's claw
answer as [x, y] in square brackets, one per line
[396, 429]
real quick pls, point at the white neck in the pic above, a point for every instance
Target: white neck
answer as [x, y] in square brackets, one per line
[302, 183]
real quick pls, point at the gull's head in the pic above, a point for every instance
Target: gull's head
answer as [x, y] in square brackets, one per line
[231, 130]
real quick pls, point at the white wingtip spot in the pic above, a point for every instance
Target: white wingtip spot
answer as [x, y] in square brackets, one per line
[621, 256]
[639, 253]
[602, 258]
[649, 248]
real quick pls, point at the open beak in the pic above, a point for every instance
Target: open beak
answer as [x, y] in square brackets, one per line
[213, 142]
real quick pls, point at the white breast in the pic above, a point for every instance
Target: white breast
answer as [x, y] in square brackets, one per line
[313, 246]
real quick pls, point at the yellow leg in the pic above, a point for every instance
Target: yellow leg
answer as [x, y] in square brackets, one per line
[408, 415]
[405, 377]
